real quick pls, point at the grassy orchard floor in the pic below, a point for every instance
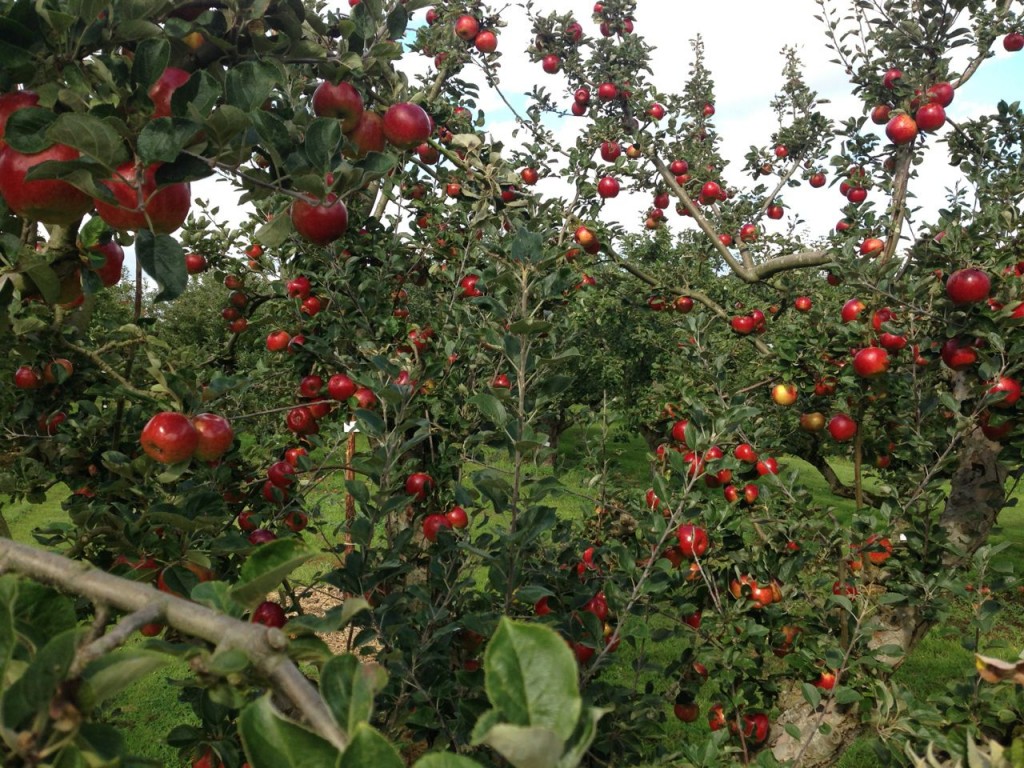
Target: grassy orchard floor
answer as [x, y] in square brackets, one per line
[149, 711]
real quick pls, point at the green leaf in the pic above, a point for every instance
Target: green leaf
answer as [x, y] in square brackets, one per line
[151, 59]
[162, 258]
[91, 136]
[811, 694]
[102, 741]
[525, 746]
[491, 407]
[531, 678]
[368, 749]
[26, 129]
[249, 84]
[46, 281]
[527, 246]
[323, 143]
[348, 686]
[31, 693]
[266, 568]
[275, 231]
[217, 595]
[370, 423]
[163, 139]
[445, 760]
[584, 737]
[398, 19]
[844, 695]
[115, 671]
[271, 741]
[337, 618]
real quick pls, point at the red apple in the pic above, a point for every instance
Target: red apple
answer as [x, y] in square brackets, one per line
[269, 614]
[457, 517]
[1013, 42]
[968, 286]
[1007, 390]
[880, 114]
[842, 428]
[930, 117]
[870, 361]
[551, 64]
[958, 355]
[872, 246]
[11, 103]
[433, 525]
[160, 92]
[406, 125]
[466, 27]
[281, 474]
[486, 42]
[901, 129]
[320, 221]
[50, 201]
[852, 310]
[802, 304]
[110, 273]
[418, 485]
[299, 287]
[141, 204]
[215, 436]
[27, 377]
[608, 187]
[341, 101]
[310, 386]
[169, 438]
[195, 263]
[784, 394]
[941, 93]
[368, 135]
[693, 540]
[340, 387]
[277, 341]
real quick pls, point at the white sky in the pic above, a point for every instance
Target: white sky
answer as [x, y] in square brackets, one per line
[743, 40]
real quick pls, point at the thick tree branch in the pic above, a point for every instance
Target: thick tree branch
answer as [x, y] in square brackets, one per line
[265, 646]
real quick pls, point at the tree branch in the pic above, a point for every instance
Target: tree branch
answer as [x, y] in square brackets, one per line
[265, 646]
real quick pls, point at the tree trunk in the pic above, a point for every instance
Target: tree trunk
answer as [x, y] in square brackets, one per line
[977, 495]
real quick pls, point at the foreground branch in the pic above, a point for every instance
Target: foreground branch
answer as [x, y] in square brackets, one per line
[264, 646]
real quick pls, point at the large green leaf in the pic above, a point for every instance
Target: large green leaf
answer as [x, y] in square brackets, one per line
[93, 136]
[525, 746]
[115, 671]
[445, 760]
[249, 84]
[272, 741]
[162, 258]
[348, 686]
[151, 59]
[531, 678]
[267, 567]
[163, 139]
[491, 407]
[32, 692]
[368, 749]
[323, 143]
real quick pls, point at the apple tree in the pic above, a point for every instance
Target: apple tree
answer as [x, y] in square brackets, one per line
[400, 274]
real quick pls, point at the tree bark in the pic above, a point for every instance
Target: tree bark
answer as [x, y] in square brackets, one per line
[976, 497]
